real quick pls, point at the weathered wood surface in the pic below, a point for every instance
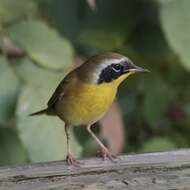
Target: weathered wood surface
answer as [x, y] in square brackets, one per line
[151, 171]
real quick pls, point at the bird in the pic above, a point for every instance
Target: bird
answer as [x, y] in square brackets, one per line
[86, 93]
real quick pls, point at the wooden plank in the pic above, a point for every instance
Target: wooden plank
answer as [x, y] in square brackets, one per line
[154, 171]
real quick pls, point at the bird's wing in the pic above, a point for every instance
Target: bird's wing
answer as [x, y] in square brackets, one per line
[60, 90]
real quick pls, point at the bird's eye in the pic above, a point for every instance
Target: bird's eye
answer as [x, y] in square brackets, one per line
[116, 67]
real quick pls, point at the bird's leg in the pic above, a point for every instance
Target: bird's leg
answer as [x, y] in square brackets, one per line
[104, 152]
[69, 159]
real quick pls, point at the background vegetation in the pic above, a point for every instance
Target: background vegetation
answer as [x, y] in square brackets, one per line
[40, 40]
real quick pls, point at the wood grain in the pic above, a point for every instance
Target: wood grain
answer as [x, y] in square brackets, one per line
[154, 171]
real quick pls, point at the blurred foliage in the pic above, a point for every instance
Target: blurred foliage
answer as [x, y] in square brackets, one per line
[37, 43]
[175, 16]
[12, 150]
[9, 85]
[49, 54]
[158, 144]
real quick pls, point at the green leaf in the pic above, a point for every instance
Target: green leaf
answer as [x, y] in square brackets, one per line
[8, 91]
[43, 136]
[174, 17]
[11, 11]
[158, 144]
[26, 70]
[42, 43]
[156, 99]
[11, 149]
[101, 39]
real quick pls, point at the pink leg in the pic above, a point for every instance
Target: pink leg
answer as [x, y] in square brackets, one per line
[104, 153]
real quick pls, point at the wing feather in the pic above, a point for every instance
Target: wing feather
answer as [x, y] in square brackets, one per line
[60, 91]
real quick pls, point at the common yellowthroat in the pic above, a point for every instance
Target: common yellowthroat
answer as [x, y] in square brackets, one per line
[87, 92]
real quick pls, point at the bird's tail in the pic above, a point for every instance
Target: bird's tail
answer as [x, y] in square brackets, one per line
[41, 112]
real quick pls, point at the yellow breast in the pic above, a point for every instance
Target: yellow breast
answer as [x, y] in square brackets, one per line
[86, 103]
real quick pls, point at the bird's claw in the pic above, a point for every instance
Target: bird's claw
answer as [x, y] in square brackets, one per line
[71, 161]
[104, 154]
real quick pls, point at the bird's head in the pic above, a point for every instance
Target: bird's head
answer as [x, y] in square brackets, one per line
[108, 68]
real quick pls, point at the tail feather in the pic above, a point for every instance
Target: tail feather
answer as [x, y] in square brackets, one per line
[39, 112]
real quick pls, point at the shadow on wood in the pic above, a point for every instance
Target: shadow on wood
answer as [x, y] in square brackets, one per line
[163, 170]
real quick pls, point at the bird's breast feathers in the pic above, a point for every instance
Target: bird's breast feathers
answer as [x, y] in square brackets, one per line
[85, 103]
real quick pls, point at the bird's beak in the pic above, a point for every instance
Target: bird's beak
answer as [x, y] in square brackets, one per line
[137, 69]
[130, 67]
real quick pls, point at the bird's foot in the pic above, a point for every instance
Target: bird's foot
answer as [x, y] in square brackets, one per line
[71, 161]
[105, 153]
